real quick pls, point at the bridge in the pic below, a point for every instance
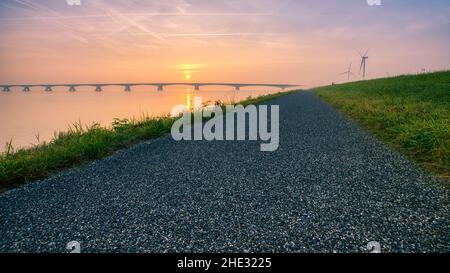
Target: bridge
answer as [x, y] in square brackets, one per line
[128, 86]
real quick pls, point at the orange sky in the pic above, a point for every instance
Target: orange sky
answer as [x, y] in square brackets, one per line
[261, 41]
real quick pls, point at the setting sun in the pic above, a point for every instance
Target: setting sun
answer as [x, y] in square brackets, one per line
[188, 76]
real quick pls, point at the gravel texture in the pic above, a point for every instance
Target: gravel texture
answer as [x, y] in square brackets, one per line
[331, 187]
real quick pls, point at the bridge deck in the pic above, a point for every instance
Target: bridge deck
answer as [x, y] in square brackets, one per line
[127, 86]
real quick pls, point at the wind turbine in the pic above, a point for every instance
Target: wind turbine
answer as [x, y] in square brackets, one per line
[348, 72]
[364, 59]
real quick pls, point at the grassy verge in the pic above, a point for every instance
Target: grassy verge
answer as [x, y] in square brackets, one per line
[81, 144]
[411, 113]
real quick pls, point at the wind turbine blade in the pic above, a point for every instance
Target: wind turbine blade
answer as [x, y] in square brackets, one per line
[362, 64]
[365, 54]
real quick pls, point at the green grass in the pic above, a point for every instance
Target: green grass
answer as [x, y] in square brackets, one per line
[81, 144]
[410, 113]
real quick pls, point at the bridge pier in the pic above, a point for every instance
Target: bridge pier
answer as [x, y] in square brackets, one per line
[98, 88]
[237, 88]
[6, 89]
[48, 89]
[160, 87]
[72, 88]
[127, 88]
[197, 87]
[26, 89]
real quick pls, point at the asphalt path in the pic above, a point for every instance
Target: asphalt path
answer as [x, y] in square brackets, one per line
[330, 187]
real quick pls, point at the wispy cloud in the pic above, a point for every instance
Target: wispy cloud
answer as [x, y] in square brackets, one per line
[219, 34]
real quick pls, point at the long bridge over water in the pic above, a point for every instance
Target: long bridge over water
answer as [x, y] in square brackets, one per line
[128, 86]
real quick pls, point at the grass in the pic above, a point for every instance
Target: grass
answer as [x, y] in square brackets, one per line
[410, 113]
[81, 144]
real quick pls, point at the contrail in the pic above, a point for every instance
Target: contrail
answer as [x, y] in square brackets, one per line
[137, 25]
[149, 14]
[218, 34]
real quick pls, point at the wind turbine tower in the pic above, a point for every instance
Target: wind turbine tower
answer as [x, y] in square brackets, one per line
[364, 59]
[348, 72]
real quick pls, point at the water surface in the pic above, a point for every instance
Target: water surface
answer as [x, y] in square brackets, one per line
[26, 117]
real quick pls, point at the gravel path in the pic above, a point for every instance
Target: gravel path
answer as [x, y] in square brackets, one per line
[330, 187]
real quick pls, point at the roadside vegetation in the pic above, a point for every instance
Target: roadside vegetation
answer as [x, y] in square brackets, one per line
[81, 144]
[410, 113]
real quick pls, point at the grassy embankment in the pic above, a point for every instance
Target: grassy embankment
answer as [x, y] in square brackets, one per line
[410, 113]
[81, 144]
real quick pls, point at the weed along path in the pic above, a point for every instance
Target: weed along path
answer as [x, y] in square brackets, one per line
[330, 186]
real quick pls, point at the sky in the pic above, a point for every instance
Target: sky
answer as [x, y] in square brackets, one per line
[304, 42]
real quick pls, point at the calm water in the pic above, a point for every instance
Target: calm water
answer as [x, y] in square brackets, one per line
[26, 116]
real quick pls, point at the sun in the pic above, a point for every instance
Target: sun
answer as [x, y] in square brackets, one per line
[188, 76]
